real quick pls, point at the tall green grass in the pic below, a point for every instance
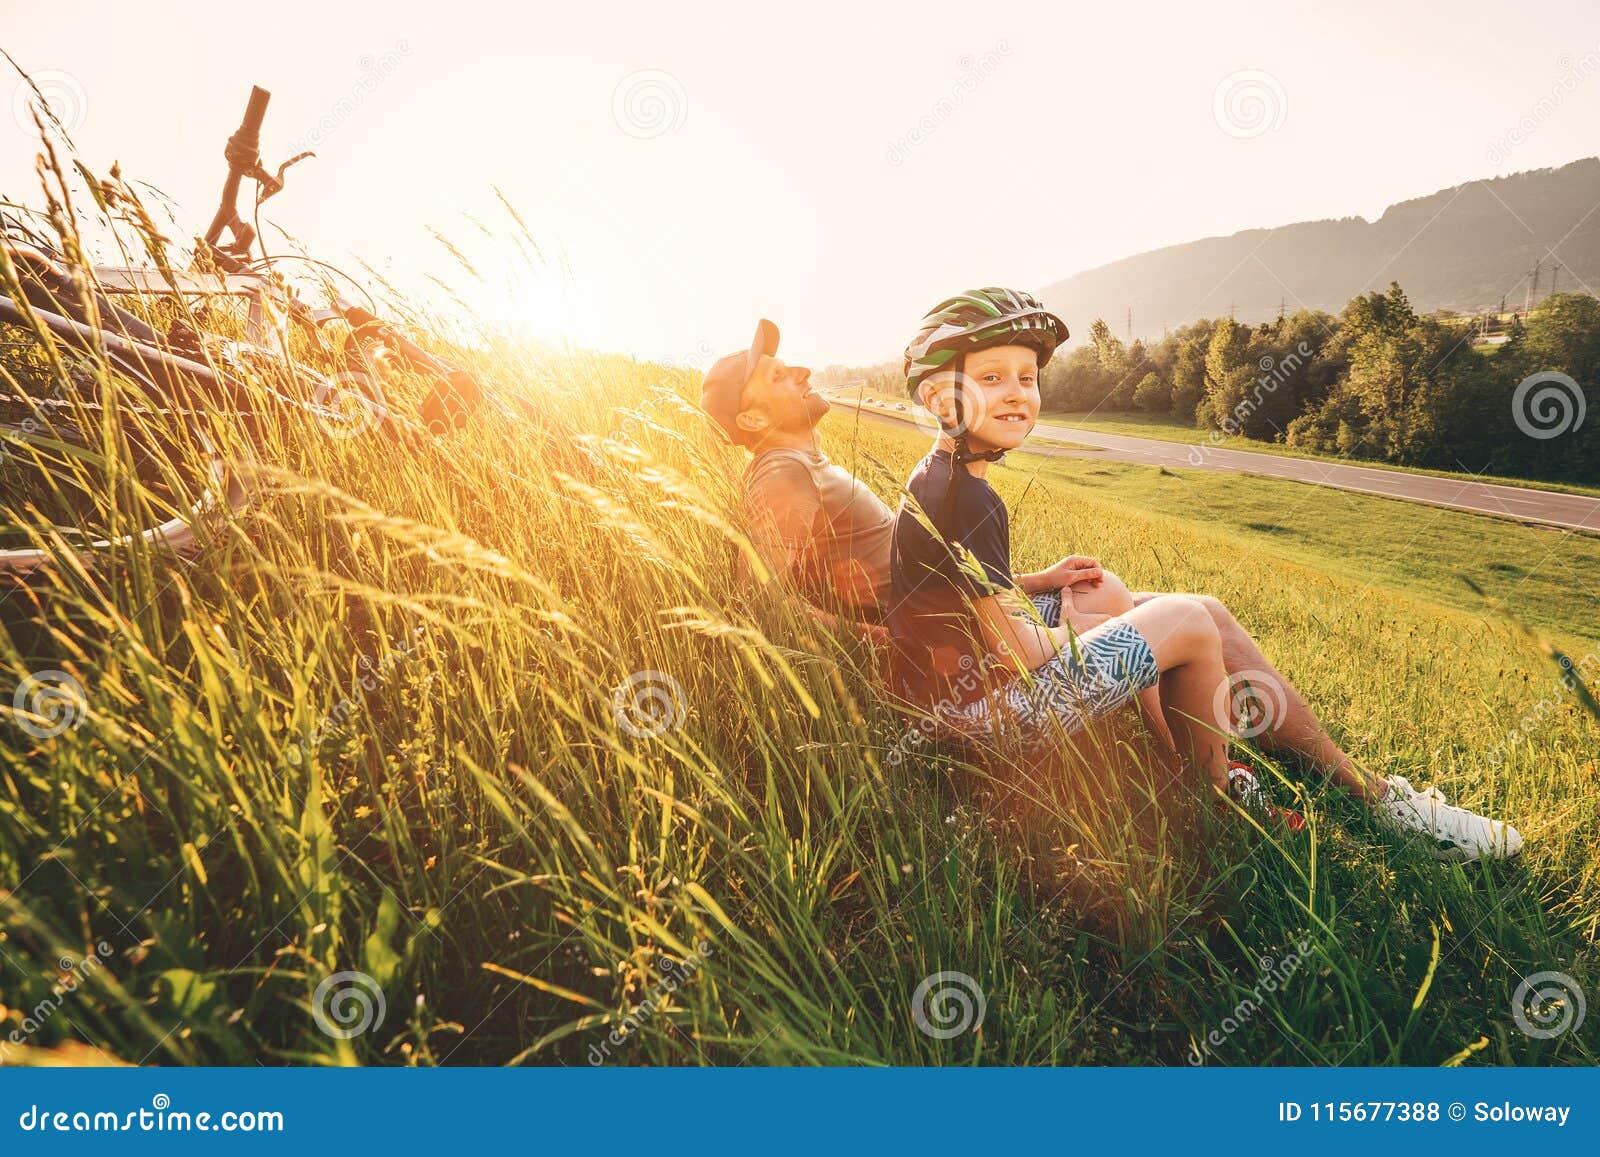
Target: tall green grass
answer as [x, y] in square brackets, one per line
[375, 726]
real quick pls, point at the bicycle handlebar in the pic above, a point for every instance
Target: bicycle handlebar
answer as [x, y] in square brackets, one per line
[256, 111]
[456, 394]
[243, 154]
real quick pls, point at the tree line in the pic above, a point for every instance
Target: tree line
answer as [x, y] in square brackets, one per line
[1378, 381]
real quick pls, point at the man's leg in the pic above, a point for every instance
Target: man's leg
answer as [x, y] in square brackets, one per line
[1298, 731]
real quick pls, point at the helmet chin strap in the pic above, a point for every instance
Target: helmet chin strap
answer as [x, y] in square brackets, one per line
[964, 452]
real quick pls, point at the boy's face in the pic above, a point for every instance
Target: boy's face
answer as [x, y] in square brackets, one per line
[999, 397]
[779, 397]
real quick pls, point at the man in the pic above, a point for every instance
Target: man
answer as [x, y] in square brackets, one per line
[810, 520]
[827, 531]
[815, 522]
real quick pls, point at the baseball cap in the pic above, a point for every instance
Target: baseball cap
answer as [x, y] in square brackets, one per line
[726, 379]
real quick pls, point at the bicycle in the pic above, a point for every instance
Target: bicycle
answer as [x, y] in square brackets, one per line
[188, 374]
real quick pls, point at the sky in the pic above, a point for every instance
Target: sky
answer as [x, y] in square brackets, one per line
[684, 169]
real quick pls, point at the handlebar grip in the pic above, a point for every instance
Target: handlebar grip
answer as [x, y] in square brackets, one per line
[256, 111]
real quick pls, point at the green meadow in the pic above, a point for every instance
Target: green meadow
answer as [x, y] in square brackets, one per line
[491, 723]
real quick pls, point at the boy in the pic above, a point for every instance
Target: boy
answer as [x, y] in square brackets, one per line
[971, 647]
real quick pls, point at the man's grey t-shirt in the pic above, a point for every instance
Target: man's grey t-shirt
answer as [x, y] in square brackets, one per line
[836, 530]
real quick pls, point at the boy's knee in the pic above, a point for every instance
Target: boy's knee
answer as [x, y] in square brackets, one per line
[1179, 627]
[1111, 597]
[1115, 594]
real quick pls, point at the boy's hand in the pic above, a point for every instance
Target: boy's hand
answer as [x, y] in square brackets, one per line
[1074, 569]
[1081, 620]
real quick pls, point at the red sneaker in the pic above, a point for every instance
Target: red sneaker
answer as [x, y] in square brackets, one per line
[1246, 790]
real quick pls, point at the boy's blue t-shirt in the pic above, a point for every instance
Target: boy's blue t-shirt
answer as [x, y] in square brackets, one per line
[934, 576]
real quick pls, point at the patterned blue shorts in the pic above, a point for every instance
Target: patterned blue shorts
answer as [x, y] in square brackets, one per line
[1106, 670]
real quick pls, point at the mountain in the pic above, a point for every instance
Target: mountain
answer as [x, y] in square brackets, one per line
[1462, 248]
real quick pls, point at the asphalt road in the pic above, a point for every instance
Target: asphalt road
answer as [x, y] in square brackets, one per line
[1547, 507]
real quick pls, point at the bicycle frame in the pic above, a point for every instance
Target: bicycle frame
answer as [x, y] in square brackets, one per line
[56, 306]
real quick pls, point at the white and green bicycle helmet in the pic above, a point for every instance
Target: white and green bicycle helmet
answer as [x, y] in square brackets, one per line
[976, 320]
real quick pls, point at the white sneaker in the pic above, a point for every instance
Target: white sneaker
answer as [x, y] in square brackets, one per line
[1455, 833]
